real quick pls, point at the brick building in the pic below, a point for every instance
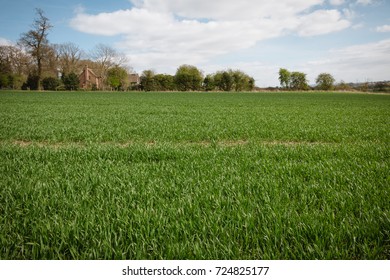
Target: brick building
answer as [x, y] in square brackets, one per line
[89, 80]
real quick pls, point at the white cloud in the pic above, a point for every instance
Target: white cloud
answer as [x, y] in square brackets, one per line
[166, 33]
[383, 28]
[79, 9]
[355, 63]
[122, 22]
[349, 14]
[322, 22]
[364, 2]
[336, 2]
[228, 9]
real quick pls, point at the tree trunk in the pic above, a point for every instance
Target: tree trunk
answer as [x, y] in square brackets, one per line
[39, 73]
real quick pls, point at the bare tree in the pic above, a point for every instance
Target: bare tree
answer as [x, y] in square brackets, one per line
[14, 64]
[107, 57]
[36, 42]
[69, 55]
[16, 60]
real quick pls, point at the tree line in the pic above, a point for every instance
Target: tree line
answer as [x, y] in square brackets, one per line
[326, 82]
[190, 78]
[298, 81]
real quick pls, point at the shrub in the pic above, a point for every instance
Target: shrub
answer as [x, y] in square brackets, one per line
[50, 83]
[71, 81]
[31, 83]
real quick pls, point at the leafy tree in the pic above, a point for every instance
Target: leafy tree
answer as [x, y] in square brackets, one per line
[117, 78]
[217, 80]
[5, 69]
[239, 80]
[164, 82]
[36, 42]
[147, 80]
[298, 81]
[242, 81]
[71, 81]
[188, 77]
[224, 81]
[50, 83]
[5, 80]
[209, 83]
[251, 84]
[325, 81]
[284, 78]
[229, 80]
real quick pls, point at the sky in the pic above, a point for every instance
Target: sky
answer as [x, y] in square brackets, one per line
[349, 39]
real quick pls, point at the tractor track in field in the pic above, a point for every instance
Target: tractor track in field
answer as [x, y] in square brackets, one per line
[127, 144]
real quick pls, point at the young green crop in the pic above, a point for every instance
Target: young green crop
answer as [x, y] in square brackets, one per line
[194, 176]
[193, 117]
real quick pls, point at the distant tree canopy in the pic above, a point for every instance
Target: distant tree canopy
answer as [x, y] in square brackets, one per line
[164, 82]
[229, 80]
[150, 81]
[209, 83]
[223, 81]
[293, 80]
[188, 77]
[298, 81]
[147, 80]
[284, 78]
[325, 81]
[31, 82]
[50, 83]
[117, 78]
[71, 81]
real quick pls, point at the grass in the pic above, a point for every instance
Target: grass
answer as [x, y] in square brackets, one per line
[194, 176]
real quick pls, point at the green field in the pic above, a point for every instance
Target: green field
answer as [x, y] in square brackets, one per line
[94, 175]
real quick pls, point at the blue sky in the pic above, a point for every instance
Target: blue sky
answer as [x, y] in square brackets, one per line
[348, 38]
